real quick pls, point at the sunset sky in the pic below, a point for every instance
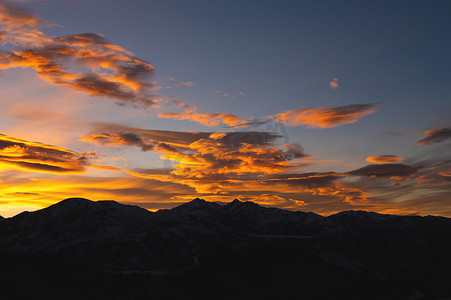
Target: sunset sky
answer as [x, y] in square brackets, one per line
[319, 106]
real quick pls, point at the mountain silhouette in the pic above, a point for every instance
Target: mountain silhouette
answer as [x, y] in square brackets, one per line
[199, 247]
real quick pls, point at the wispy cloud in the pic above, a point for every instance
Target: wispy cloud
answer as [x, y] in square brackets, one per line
[20, 26]
[325, 117]
[111, 71]
[119, 139]
[319, 117]
[213, 119]
[184, 83]
[435, 136]
[398, 172]
[334, 84]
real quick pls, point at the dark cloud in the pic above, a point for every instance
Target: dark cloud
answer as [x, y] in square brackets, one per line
[113, 134]
[395, 171]
[435, 136]
[191, 113]
[120, 139]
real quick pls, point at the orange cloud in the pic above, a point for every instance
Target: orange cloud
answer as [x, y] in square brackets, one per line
[20, 26]
[191, 113]
[228, 162]
[325, 117]
[384, 159]
[334, 84]
[110, 70]
[37, 157]
[320, 117]
[435, 136]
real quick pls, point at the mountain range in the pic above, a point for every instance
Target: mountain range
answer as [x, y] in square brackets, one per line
[107, 250]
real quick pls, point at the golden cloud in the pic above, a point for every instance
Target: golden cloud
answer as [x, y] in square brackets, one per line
[325, 117]
[38, 157]
[384, 159]
[226, 162]
[191, 113]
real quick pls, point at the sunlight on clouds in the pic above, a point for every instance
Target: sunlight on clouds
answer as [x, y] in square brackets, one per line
[325, 117]
[37, 157]
[111, 71]
[384, 159]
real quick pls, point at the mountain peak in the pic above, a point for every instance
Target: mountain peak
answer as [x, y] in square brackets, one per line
[236, 201]
[237, 204]
[72, 204]
[75, 200]
[197, 204]
[198, 200]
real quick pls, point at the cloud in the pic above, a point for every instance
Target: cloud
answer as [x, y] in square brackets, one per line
[433, 172]
[322, 184]
[435, 136]
[115, 135]
[325, 117]
[118, 135]
[119, 139]
[108, 70]
[20, 26]
[394, 171]
[38, 157]
[334, 84]
[191, 113]
[184, 83]
[228, 162]
[322, 117]
[384, 159]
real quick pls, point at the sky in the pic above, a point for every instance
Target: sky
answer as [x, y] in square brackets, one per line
[319, 106]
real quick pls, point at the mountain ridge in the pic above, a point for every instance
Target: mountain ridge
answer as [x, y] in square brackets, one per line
[205, 240]
[199, 203]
